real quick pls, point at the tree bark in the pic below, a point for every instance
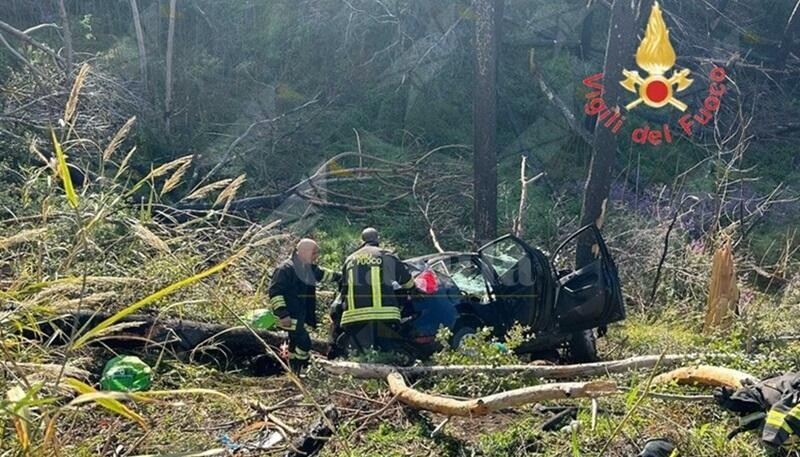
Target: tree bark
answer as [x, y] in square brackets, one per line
[137, 25]
[498, 401]
[67, 35]
[619, 52]
[170, 49]
[488, 14]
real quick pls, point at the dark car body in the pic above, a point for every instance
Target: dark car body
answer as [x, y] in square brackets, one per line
[508, 281]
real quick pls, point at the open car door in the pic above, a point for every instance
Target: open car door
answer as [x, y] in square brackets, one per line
[521, 281]
[589, 296]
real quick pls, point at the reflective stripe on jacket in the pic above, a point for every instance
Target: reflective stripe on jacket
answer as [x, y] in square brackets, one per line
[367, 285]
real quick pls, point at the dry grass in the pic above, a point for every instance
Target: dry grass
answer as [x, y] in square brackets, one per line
[72, 104]
[149, 238]
[119, 137]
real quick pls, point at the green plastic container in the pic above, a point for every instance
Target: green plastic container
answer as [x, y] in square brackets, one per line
[262, 319]
[126, 373]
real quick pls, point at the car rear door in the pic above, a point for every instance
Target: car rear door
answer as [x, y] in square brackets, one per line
[589, 296]
[521, 281]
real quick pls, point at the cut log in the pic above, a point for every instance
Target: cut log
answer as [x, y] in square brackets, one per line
[706, 375]
[498, 401]
[180, 335]
[381, 371]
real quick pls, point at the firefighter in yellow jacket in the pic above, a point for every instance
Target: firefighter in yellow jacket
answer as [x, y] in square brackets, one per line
[292, 292]
[370, 278]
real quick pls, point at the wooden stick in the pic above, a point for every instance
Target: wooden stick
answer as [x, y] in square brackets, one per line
[498, 401]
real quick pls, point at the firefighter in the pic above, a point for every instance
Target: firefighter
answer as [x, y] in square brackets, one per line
[771, 407]
[292, 296]
[371, 276]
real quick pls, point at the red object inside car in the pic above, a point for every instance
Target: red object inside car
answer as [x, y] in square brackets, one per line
[427, 282]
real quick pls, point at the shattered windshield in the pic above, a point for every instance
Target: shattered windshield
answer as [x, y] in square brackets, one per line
[467, 277]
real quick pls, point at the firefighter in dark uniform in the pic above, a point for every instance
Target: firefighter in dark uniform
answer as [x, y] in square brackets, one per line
[292, 296]
[370, 280]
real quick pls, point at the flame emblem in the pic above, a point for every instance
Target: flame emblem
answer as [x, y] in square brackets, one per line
[656, 56]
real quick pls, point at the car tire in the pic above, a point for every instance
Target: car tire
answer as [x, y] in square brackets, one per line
[461, 333]
[582, 347]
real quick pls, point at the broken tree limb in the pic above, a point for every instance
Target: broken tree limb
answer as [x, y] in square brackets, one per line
[498, 401]
[523, 192]
[706, 375]
[723, 293]
[380, 371]
[22, 36]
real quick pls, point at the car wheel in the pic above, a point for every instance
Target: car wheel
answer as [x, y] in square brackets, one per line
[462, 333]
[582, 347]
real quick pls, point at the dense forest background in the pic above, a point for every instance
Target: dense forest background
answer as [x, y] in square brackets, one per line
[273, 89]
[196, 127]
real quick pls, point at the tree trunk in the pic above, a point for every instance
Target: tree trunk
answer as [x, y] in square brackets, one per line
[488, 14]
[137, 25]
[170, 48]
[67, 35]
[619, 52]
[179, 334]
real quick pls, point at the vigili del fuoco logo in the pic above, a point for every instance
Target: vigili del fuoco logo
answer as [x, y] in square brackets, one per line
[656, 57]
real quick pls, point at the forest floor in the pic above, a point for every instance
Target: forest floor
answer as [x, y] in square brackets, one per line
[371, 424]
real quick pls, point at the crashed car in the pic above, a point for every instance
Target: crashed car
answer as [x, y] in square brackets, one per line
[507, 282]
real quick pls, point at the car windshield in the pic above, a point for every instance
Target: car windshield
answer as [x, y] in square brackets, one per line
[468, 278]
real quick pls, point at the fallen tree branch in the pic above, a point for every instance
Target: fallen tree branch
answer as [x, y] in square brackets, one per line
[187, 335]
[498, 401]
[380, 371]
[22, 36]
[706, 375]
[228, 154]
[22, 59]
